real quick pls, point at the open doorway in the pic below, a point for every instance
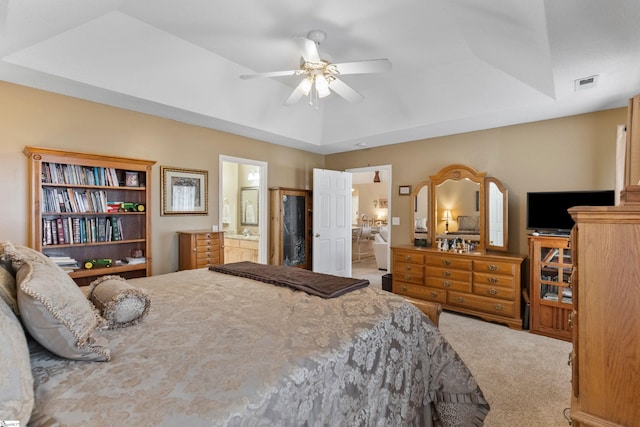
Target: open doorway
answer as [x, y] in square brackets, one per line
[243, 209]
[370, 213]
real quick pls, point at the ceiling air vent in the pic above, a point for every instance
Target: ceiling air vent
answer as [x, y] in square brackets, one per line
[586, 83]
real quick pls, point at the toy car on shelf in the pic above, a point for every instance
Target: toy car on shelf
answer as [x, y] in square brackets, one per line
[132, 207]
[100, 262]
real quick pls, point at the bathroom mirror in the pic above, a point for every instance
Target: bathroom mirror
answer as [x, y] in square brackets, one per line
[249, 206]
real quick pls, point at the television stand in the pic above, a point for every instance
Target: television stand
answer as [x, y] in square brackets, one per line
[559, 233]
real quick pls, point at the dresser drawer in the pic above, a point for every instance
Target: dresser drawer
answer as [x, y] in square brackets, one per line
[418, 291]
[494, 291]
[447, 261]
[449, 274]
[479, 303]
[411, 273]
[496, 267]
[447, 284]
[494, 280]
[201, 255]
[408, 257]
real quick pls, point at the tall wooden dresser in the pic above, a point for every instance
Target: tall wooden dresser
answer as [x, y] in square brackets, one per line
[200, 248]
[483, 284]
[606, 318]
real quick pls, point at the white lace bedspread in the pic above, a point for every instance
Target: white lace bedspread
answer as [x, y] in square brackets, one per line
[226, 351]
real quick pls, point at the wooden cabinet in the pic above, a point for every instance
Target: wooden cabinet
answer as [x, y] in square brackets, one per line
[200, 248]
[483, 284]
[90, 207]
[551, 290]
[236, 250]
[290, 227]
[606, 318]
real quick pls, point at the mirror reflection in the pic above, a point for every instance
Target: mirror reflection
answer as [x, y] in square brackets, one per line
[457, 210]
[421, 214]
[496, 214]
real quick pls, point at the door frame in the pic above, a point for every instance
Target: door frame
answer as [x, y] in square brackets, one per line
[263, 200]
[389, 170]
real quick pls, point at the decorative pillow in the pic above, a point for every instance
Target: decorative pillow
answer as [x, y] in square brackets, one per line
[16, 379]
[17, 255]
[57, 314]
[8, 287]
[469, 223]
[421, 224]
[119, 303]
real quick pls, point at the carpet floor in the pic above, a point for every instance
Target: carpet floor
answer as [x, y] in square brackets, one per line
[524, 377]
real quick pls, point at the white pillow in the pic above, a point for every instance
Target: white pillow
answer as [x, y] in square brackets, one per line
[421, 224]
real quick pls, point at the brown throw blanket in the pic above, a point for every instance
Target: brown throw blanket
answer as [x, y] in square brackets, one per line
[319, 284]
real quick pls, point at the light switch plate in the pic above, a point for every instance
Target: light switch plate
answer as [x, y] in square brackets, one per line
[395, 220]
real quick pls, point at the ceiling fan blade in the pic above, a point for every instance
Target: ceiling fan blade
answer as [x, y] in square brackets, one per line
[309, 49]
[345, 91]
[364, 67]
[272, 74]
[294, 97]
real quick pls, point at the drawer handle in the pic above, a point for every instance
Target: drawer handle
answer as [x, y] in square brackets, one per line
[459, 299]
[446, 284]
[408, 268]
[446, 262]
[404, 289]
[493, 267]
[434, 294]
[195, 249]
[407, 257]
[499, 307]
[446, 273]
[492, 280]
[493, 291]
[408, 277]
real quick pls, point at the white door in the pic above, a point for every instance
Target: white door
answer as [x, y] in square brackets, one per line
[332, 222]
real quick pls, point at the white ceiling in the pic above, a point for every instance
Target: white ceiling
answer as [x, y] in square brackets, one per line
[458, 65]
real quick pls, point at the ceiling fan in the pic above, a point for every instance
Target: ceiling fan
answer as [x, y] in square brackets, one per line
[319, 76]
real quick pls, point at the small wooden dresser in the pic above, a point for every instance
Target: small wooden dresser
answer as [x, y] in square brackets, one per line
[200, 248]
[483, 284]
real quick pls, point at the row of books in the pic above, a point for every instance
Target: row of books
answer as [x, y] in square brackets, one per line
[76, 201]
[66, 263]
[69, 231]
[56, 173]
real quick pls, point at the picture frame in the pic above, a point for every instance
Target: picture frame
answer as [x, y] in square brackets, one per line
[404, 190]
[131, 179]
[184, 191]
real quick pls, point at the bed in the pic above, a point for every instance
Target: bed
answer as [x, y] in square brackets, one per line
[218, 349]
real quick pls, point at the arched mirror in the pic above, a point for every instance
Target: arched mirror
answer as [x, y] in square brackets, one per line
[458, 201]
[496, 214]
[421, 213]
[467, 204]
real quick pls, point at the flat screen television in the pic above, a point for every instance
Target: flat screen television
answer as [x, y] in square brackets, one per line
[547, 211]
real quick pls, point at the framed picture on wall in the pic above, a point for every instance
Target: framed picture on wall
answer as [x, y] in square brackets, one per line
[404, 190]
[183, 191]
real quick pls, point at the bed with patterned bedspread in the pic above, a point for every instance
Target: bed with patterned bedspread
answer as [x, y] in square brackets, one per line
[220, 350]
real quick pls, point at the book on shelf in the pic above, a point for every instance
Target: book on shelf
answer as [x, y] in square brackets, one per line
[136, 260]
[55, 173]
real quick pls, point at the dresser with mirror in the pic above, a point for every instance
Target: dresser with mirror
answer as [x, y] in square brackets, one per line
[459, 254]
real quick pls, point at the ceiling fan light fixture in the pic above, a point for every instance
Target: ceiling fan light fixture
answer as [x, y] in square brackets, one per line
[305, 86]
[322, 86]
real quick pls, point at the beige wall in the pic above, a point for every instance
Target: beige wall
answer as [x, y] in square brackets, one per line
[37, 118]
[572, 153]
[576, 153]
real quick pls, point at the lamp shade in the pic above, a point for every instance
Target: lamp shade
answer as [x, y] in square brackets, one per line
[446, 215]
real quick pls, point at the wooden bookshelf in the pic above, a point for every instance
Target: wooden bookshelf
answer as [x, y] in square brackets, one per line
[82, 208]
